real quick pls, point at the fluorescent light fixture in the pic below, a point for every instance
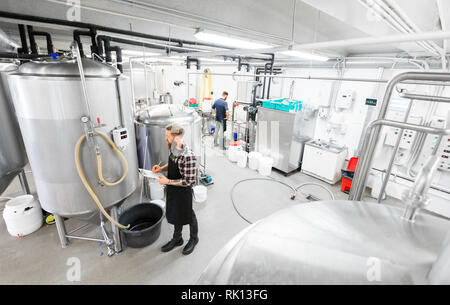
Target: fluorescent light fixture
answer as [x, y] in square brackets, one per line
[304, 55]
[138, 53]
[230, 41]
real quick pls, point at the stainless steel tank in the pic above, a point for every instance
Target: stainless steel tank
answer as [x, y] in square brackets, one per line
[12, 151]
[150, 130]
[49, 103]
[336, 242]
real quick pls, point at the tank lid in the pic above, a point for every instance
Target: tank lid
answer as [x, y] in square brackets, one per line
[166, 113]
[67, 67]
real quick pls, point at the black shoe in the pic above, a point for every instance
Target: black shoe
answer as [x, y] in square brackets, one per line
[189, 248]
[172, 244]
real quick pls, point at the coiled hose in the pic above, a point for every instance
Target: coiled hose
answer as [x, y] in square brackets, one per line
[100, 175]
[293, 189]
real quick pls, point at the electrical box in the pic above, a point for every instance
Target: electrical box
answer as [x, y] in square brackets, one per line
[406, 141]
[121, 138]
[344, 101]
[444, 147]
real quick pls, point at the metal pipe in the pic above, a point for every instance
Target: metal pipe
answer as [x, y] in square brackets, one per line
[364, 165]
[78, 229]
[394, 153]
[365, 80]
[86, 238]
[76, 24]
[431, 98]
[23, 40]
[133, 94]
[61, 228]
[362, 170]
[24, 182]
[115, 231]
[75, 48]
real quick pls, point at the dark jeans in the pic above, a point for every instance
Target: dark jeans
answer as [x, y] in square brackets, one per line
[193, 227]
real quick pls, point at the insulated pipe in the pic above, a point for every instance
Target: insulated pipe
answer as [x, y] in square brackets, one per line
[92, 33]
[83, 25]
[23, 40]
[32, 33]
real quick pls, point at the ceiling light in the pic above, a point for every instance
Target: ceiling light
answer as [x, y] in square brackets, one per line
[304, 55]
[230, 41]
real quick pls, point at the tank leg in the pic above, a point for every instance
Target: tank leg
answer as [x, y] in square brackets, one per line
[116, 231]
[24, 182]
[109, 242]
[61, 228]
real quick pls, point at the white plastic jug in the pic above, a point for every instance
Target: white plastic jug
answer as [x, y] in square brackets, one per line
[23, 215]
[156, 190]
[232, 153]
[265, 166]
[242, 159]
[200, 193]
[253, 160]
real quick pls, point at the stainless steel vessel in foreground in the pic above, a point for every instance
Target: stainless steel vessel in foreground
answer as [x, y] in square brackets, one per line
[151, 132]
[12, 151]
[336, 242]
[49, 103]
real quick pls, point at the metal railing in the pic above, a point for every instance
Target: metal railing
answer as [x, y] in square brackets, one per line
[416, 197]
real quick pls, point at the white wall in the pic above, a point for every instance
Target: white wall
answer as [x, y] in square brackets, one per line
[316, 93]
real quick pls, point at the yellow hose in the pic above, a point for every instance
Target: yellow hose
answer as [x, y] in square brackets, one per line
[99, 163]
[100, 174]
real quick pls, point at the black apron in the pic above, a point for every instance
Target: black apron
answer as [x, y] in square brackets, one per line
[179, 198]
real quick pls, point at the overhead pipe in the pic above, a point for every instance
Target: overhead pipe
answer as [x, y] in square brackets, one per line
[92, 33]
[23, 40]
[32, 33]
[84, 25]
[105, 47]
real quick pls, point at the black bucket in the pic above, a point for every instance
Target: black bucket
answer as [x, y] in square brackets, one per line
[145, 224]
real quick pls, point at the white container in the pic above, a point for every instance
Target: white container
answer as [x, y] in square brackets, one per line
[253, 160]
[161, 203]
[156, 190]
[23, 215]
[265, 166]
[242, 159]
[200, 193]
[233, 153]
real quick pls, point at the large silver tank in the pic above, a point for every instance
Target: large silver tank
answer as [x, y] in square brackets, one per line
[151, 123]
[49, 103]
[12, 150]
[336, 242]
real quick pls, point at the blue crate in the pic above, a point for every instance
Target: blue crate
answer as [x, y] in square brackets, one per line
[283, 104]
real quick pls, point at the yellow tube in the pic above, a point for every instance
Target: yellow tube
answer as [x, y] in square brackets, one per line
[99, 162]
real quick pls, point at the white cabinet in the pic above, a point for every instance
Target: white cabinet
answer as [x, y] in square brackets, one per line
[323, 163]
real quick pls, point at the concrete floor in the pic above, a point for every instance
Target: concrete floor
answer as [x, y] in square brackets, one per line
[39, 258]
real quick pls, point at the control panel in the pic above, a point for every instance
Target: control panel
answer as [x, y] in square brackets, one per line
[406, 141]
[444, 147]
[121, 138]
[444, 151]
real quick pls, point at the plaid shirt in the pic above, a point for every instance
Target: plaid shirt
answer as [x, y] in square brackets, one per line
[187, 164]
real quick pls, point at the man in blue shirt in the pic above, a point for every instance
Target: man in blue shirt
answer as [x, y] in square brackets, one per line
[220, 110]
